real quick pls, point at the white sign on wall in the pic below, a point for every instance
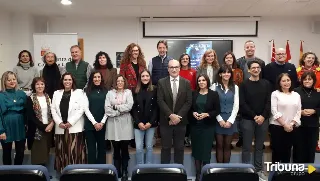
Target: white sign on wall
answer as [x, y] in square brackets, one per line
[57, 43]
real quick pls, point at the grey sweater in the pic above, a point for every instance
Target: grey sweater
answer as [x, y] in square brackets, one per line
[25, 77]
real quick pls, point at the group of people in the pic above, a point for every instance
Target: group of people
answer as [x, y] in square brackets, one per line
[81, 106]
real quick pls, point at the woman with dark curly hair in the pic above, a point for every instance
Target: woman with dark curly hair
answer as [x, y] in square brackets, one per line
[132, 64]
[103, 64]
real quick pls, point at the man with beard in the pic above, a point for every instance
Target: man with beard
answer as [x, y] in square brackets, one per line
[249, 48]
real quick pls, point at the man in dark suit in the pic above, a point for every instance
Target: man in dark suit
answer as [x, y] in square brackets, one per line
[174, 100]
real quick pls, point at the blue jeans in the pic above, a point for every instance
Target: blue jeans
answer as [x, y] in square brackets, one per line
[139, 137]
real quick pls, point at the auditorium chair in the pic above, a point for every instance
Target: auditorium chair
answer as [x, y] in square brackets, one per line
[229, 171]
[296, 176]
[89, 172]
[159, 172]
[24, 173]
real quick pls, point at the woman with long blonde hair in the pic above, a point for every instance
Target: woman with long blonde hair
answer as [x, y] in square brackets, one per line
[209, 65]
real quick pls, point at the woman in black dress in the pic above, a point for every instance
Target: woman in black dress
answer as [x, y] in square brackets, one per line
[306, 135]
[205, 108]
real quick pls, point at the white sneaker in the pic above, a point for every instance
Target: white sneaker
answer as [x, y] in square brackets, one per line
[262, 176]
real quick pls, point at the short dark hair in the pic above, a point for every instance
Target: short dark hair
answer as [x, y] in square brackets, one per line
[34, 82]
[278, 86]
[74, 85]
[164, 42]
[30, 56]
[205, 76]
[252, 62]
[311, 74]
[125, 81]
[96, 63]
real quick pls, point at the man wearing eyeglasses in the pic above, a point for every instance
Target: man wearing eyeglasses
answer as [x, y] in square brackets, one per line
[279, 66]
[174, 98]
[255, 108]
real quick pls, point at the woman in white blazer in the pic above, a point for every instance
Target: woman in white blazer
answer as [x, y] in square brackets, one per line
[119, 128]
[67, 112]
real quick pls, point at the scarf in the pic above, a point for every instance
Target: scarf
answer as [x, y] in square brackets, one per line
[25, 66]
[51, 75]
[37, 111]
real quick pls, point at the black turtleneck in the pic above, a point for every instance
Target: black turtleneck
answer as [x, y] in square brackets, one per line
[310, 99]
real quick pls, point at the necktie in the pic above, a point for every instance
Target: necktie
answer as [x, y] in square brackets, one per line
[174, 92]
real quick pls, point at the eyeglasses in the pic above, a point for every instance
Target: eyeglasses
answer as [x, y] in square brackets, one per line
[172, 68]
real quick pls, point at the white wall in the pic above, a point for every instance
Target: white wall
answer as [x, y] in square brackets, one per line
[16, 32]
[5, 41]
[112, 35]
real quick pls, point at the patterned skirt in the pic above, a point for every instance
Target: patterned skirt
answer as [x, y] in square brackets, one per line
[70, 149]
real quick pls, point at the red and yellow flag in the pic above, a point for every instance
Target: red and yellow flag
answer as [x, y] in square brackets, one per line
[301, 49]
[288, 51]
[273, 52]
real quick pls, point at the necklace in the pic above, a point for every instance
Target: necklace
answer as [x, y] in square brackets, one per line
[14, 99]
[308, 94]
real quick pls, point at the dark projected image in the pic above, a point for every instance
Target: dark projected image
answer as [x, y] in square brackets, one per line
[196, 48]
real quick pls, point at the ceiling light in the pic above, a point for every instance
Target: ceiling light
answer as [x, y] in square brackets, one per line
[66, 2]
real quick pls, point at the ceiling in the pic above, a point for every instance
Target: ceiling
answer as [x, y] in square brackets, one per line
[164, 8]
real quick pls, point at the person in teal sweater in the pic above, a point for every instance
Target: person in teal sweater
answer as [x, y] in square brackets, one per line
[12, 119]
[94, 125]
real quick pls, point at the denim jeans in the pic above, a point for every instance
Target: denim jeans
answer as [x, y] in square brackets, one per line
[139, 137]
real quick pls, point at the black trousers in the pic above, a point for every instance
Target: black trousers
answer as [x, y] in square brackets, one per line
[96, 146]
[304, 146]
[120, 150]
[187, 130]
[282, 143]
[7, 148]
[175, 133]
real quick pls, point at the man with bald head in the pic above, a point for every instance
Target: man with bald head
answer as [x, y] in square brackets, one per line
[250, 50]
[174, 98]
[274, 69]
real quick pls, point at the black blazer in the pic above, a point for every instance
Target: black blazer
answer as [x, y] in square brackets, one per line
[165, 101]
[33, 123]
[212, 107]
[150, 110]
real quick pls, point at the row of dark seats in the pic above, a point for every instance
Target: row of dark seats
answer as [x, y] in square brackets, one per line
[151, 172]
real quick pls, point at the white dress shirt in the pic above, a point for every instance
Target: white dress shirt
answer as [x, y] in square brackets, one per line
[177, 83]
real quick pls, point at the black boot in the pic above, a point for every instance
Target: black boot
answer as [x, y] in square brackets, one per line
[198, 164]
[117, 164]
[125, 169]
